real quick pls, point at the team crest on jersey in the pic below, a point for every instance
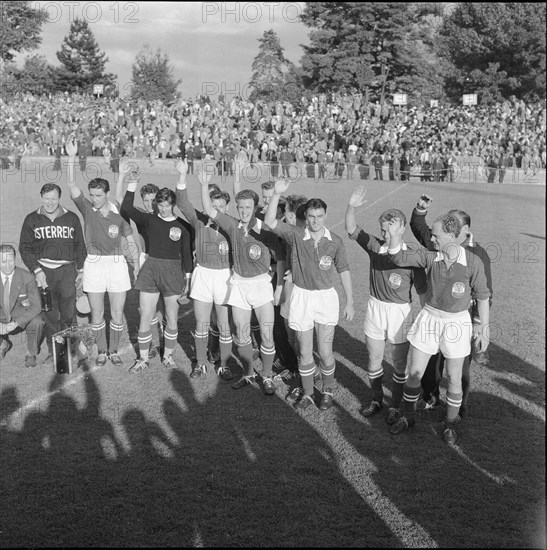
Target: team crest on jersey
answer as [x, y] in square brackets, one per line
[255, 252]
[175, 233]
[458, 290]
[223, 248]
[113, 231]
[325, 262]
[395, 280]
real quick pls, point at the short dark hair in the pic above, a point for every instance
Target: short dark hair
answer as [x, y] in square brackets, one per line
[49, 187]
[213, 187]
[295, 202]
[7, 249]
[216, 194]
[247, 194]
[462, 215]
[315, 204]
[450, 224]
[99, 183]
[392, 214]
[149, 189]
[166, 194]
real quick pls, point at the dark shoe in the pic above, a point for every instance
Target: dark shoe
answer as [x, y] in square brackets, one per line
[30, 361]
[372, 409]
[286, 375]
[139, 366]
[101, 360]
[294, 396]
[392, 416]
[304, 403]
[115, 359]
[268, 385]
[401, 425]
[5, 347]
[225, 373]
[242, 382]
[154, 352]
[213, 357]
[327, 401]
[198, 371]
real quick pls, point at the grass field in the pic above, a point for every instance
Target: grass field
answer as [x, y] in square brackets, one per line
[105, 458]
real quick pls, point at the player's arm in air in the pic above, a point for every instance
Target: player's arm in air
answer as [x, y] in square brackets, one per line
[418, 225]
[129, 170]
[183, 202]
[356, 200]
[204, 177]
[72, 150]
[127, 206]
[270, 218]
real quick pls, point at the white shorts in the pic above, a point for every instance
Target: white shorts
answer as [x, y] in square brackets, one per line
[250, 292]
[435, 330]
[308, 307]
[388, 321]
[210, 285]
[286, 299]
[106, 274]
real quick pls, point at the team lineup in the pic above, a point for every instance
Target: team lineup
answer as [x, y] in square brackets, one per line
[264, 281]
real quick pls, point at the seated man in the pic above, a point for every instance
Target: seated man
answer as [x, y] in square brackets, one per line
[20, 306]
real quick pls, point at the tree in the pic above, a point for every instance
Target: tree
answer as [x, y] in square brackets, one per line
[20, 27]
[495, 49]
[273, 73]
[82, 63]
[377, 46]
[153, 76]
[36, 76]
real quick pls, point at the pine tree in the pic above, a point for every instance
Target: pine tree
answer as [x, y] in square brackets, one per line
[20, 27]
[153, 76]
[271, 70]
[83, 64]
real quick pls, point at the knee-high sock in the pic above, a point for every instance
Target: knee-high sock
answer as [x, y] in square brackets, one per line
[255, 335]
[225, 349]
[267, 356]
[453, 404]
[155, 330]
[306, 374]
[170, 339]
[327, 375]
[397, 389]
[375, 378]
[200, 339]
[214, 337]
[245, 350]
[99, 332]
[411, 396]
[144, 338]
[115, 336]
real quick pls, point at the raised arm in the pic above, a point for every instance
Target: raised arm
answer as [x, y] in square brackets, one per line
[72, 150]
[270, 219]
[127, 208]
[127, 168]
[356, 200]
[204, 178]
[418, 225]
[183, 202]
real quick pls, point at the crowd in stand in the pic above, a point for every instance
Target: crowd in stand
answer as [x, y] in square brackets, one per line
[336, 134]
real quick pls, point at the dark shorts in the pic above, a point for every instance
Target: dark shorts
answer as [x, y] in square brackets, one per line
[163, 276]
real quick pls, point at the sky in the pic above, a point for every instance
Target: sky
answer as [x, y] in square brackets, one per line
[211, 45]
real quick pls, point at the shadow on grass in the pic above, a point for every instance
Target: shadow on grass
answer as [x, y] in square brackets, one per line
[229, 469]
[493, 481]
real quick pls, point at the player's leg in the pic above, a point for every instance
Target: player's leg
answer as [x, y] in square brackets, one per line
[171, 328]
[202, 312]
[98, 325]
[242, 321]
[466, 384]
[375, 371]
[418, 364]
[454, 394]
[147, 305]
[117, 303]
[266, 317]
[399, 356]
[306, 365]
[225, 340]
[325, 339]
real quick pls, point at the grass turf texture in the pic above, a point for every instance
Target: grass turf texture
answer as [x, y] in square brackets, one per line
[105, 458]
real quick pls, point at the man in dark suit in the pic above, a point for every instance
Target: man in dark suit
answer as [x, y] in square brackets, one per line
[20, 306]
